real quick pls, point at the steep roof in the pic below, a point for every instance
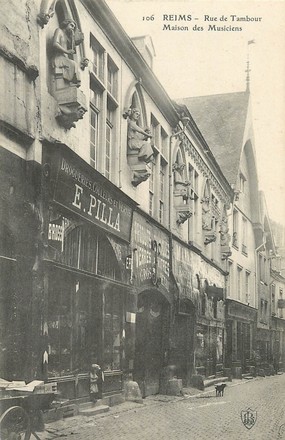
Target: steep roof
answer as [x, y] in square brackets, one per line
[221, 119]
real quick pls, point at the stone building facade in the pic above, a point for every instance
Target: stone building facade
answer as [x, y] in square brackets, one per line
[117, 227]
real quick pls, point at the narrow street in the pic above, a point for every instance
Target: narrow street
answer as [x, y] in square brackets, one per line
[200, 417]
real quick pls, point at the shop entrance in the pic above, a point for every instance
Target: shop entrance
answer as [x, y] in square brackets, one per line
[151, 336]
[184, 337]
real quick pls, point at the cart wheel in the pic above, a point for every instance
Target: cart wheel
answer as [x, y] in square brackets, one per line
[15, 424]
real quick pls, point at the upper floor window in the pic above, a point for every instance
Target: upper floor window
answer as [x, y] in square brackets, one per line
[97, 58]
[239, 282]
[157, 180]
[164, 142]
[94, 127]
[244, 236]
[112, 80]
[109, 142]
[161, 191]
[247, 287]
[103, 104]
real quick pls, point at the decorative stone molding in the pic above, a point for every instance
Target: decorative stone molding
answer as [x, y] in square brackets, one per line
[203, 168]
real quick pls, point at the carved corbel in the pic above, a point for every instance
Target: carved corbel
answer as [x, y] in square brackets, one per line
[183, 213]
[68, 115]
[210, 237]
[139, 177]
[71, 106]
[47, 11]
[225, 252]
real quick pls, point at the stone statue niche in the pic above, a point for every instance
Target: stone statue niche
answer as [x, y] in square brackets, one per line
[139, 149]
[66, 74]
[225, 238]
[209, 233]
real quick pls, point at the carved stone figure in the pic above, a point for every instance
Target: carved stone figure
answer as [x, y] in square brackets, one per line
[224, 232]
[206, 214]
[66, 70]
[178, 172]
[71, 100]
[138, 138]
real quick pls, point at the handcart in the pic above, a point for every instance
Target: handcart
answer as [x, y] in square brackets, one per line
[21, 415]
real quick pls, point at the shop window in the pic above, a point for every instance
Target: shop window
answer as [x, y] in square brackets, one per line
[73, 323]
[112, 330]
[107, 263]
[80, 247]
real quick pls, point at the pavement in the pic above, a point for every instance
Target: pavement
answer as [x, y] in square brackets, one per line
[195, 416]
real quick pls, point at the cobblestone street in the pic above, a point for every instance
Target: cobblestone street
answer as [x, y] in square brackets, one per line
[202, 416]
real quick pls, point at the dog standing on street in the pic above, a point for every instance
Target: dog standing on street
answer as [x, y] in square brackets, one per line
[220, 389]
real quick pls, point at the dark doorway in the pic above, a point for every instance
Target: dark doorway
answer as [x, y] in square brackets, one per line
[182, 356]
[151, 335]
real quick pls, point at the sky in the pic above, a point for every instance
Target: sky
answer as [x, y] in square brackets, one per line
[206, 62]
